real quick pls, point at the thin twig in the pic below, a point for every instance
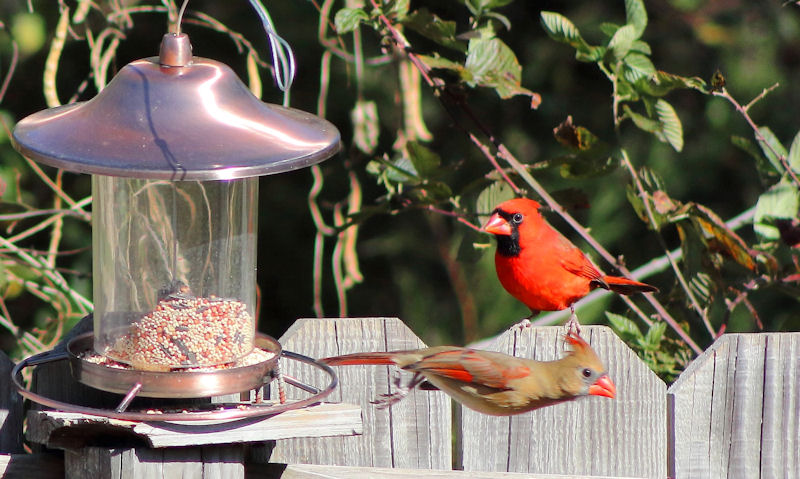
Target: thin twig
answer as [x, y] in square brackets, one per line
[743, 110]
[651, 216]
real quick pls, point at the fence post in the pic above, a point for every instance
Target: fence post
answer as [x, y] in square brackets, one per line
[414, 433]
[625, 436]
[734, 411]
[10, 410]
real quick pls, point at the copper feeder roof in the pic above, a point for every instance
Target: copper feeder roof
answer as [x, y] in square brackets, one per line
[176, 117]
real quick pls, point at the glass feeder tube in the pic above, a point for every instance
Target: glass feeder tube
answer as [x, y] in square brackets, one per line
[174, 270]
[175, 144]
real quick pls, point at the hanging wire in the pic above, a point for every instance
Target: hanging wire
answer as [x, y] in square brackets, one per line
[180, 17]
[282, 56]
[283, 64]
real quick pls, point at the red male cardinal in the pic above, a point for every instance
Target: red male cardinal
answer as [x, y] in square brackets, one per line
[539, 266]
[495, 383]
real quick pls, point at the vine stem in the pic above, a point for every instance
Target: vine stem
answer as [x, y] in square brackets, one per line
[744, 111]
[651, 217]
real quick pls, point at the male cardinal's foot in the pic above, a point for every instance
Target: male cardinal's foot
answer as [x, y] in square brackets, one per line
[525, 323]
[522, 325]
[573, 326]
[387, 400]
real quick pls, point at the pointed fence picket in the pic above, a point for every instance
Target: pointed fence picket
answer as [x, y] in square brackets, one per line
[735, 411]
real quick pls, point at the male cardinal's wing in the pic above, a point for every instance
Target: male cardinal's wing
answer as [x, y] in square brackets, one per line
[471, 366]
[573, 259]
[578, 264]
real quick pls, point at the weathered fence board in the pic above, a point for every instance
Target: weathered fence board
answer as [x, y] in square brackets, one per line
[10, 410]
[221, 462]
[59, 429]
[309, 471]
[734, 410]
[414, 433]
[625, 436]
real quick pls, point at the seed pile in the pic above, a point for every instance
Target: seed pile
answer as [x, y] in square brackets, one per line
[185, 331]
[256, 356]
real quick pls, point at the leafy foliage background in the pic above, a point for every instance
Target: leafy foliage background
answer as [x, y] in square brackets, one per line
[610, 136]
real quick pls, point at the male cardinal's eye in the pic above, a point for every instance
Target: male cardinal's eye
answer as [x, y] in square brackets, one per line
[587, 373]
[517, 218]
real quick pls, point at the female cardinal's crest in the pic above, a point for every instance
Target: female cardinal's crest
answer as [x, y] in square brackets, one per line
[577, 342]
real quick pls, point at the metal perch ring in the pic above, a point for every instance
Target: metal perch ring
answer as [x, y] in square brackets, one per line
[226, 411]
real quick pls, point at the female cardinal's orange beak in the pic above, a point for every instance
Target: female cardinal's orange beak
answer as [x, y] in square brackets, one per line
[603, 387]
[497, 226]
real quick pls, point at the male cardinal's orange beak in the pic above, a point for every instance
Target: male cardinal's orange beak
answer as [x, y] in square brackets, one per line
[603, 387]
[497, 226]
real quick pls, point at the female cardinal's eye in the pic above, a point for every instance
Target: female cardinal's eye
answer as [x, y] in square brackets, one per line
[586, 372]
[517, 218]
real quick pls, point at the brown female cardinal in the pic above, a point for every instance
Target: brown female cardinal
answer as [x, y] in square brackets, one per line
[495, 383]
[542, 268]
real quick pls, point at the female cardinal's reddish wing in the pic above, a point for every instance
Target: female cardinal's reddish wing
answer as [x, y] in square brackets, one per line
[470, 366]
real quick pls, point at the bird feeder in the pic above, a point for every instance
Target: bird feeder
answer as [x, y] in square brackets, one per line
[175, 145]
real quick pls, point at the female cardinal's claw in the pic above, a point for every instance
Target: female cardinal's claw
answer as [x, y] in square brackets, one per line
[387, 400]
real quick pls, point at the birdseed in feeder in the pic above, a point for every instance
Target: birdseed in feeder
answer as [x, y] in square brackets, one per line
[186, 331]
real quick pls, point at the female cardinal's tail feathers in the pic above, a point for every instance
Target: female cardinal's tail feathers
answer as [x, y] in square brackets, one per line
[624, 285]
[360, 358]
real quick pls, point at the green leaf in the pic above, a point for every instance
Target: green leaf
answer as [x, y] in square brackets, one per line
[348, 19]
[636, 16]
[794, 154]
[641, 47]
[772, 148]
[402, 170]
[434, 28]
[765, 168]
[718, 237]
[620, 44]
[780, 201]
[642, 122]
[426, 161]
[492, 64]
[671, 128]
[654, 334]
[637, 66]
[365, 125]
[623, 326]
[437, 62]
[661, 205]
[561, 29]
[397, 9]
[660, 83]
[573, 137]
[585, 165]
[490, 197]
[702, 286]
[609, 29]
[480, 6]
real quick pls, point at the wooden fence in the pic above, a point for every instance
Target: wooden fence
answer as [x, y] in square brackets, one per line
[735, 412]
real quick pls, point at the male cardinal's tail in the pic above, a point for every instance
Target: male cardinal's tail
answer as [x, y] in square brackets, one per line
[625, 286]
[360, 358]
